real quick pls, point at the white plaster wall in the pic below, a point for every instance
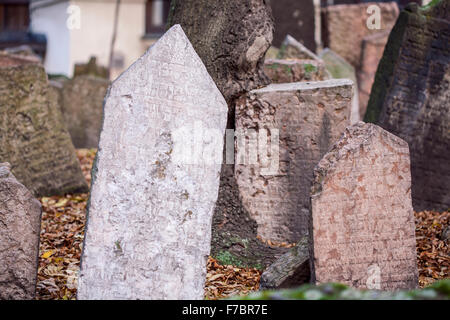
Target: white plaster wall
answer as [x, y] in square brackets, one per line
[97, 23]
[51, 21]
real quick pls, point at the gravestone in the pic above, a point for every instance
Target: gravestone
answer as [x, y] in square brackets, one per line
[20, 224]
[290, 270]
[302, 119]
[82, 108]
[33, 138]
[341, 69]
[371, 54]
[91, 68]
[410, 98]
[293, 49]
[283, 71]
[231, 37]
[362, 227]
[346, 25]
[156, 178]
[300, 18]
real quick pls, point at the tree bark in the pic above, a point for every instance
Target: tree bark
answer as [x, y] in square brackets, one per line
[231, 37]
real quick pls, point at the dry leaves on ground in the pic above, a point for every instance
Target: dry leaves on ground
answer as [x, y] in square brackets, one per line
[433, 253]
[62, 232]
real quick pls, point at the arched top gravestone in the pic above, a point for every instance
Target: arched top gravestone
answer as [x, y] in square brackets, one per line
[362, 230]
[156, 178]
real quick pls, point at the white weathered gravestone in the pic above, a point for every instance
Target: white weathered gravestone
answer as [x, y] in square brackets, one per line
[156, 179]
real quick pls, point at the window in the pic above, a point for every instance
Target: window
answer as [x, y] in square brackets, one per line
[156, 13]
[14, 15]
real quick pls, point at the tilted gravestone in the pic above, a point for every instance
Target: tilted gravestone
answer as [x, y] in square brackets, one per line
[20, 224]
[293, 49]
[362, 227]
[283, 71]
[33, 138]
[303, 120]
[410, 98]
[341, 69]
[156, 178]
[82, 108]
[289, 270]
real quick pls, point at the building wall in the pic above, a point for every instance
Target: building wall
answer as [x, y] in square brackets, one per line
[71, 42]
[51, 21]
[95, 33]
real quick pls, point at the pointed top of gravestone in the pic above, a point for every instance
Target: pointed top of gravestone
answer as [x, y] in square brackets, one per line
[355, 137]
[156, 178]
[175, 51]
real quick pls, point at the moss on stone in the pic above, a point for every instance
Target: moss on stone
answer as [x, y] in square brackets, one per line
[335, 291]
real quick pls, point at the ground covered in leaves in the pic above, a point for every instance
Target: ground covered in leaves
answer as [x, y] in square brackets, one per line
[62, 233]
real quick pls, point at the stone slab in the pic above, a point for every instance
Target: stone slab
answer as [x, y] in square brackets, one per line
[156, 178]
[20, 225]
[303, 120]
[410, 98]
[362, 228]
[33, 138]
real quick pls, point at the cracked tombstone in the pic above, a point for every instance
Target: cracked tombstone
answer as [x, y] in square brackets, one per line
[156, 178]
[33, 138]
[362, 228]
[20, 224]
[274, 178]
[410, 98]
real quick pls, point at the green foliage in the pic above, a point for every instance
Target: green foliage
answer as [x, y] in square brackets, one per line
[309, 68]
[227, 258]
[334, 291]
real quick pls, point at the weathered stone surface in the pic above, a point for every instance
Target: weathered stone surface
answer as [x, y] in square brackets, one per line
[363, 231]
[82, 108]
[32, 134]
[275, 186]
[337, 66]
[20, 224]
[234, 232]
[410, 98]
[290, 270]
[284, 71]
[271, 53]
[299, 18]
[371, 54]
[91, 68]
[341, 69]
[345, 26]
[293, 49]
[231, 37]
[155, 181]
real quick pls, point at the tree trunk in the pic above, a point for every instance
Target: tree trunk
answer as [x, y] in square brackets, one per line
[231, 37]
